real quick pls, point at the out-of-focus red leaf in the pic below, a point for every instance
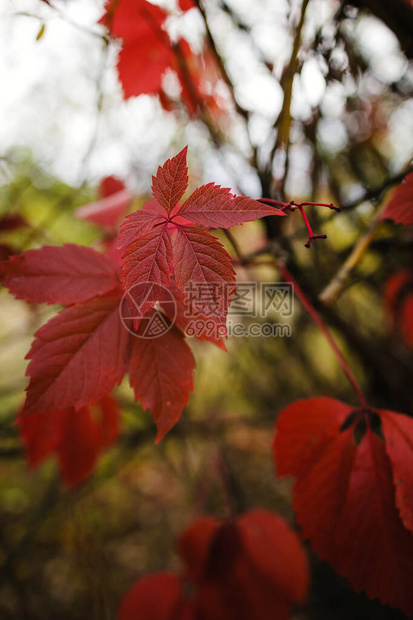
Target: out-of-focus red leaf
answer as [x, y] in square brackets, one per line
[194, 546]
[400, 207]
[60, 275]
[12, 221]
[161, 375]
[110, 185]
[249, 568]
[398, 435]
[108, 211]
[345, 499]
[146, 50]
[157, 597]
[77, 357]
[253, 567]
[77, 437]
[398, 301]
[185, 5]
[275, 553]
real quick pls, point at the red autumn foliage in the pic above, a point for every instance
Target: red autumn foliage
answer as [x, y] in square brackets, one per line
[400, 207]
[398, 303]
[160, 243]
[82, 353]
[352, 491]
[249, 568]
[147, 53]
[75, 436]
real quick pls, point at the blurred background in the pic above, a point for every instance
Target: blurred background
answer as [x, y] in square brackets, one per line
[297, 101]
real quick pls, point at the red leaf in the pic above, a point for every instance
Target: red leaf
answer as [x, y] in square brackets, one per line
[157, 597]
[77, 357]
[185, 5]
[194, 546]
[215, 207]
[398, 300]
[147, 263]
[398, 435]
[171, 181]
[344, 501]
[302, 431]
[107, 211]
[137, 224]
[200, 259]
[76, 436]
[12, 221]
[146, 50]
[161, 375]
[110, 185]
[400, 207]
[276, 553]
[252, 567]
[59, 275]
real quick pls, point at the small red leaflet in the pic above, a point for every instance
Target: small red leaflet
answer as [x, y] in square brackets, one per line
[353, 491]
[160, 243]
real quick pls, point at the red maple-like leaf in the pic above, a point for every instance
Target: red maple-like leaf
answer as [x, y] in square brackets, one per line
[352, 491]
[195, 257]
[400, 207]
[77, 437]
[60, 275]
[115, 200]
[77, 357]
[398, 301]
[253, 567]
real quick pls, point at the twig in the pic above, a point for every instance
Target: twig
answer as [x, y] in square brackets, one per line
[330, 294]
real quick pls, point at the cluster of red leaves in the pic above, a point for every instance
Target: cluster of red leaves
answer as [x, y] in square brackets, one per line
[398, 301]
[147, 53]
[82, 353]
[250, 568]
[400, 207]
[353, 491]
[162, 239]
[75, 436]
